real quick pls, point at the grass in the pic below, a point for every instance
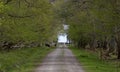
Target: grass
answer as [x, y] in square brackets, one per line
[91, 62]
[22, 60]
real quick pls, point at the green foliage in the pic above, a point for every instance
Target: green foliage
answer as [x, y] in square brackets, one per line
[27, 21]
[91, 19]
[1, 7]
[91, 63]
[22, 60]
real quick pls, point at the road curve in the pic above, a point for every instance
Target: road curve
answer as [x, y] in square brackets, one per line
[60, 60]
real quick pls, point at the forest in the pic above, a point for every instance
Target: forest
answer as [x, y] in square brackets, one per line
[94, 25]
[33, 26]
[26, 23]
[27, 29]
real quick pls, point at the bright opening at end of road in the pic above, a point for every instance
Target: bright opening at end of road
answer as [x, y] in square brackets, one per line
[62, 38]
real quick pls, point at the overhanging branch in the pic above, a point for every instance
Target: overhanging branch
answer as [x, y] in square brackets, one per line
[15, 16]
[7, 1]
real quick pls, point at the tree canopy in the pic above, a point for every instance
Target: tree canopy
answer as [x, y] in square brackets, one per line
[27, 21]
[92, 21]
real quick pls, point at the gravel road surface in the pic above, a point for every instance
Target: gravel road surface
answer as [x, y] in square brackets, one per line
[60, 60]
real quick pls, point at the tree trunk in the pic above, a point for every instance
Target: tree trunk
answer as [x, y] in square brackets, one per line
[118, 45]
[118, 50]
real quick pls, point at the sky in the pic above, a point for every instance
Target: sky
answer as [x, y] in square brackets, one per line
[62, 38]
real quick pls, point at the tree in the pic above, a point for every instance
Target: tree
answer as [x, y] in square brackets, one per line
[92, 21]
[27, 21]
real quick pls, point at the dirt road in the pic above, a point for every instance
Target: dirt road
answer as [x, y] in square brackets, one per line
[60, 60]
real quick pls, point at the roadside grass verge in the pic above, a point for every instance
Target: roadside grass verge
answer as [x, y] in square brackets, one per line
[23, 60]
[91, 62]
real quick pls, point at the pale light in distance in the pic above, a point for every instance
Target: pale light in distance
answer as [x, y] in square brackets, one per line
[66, 27]
[62, 38]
